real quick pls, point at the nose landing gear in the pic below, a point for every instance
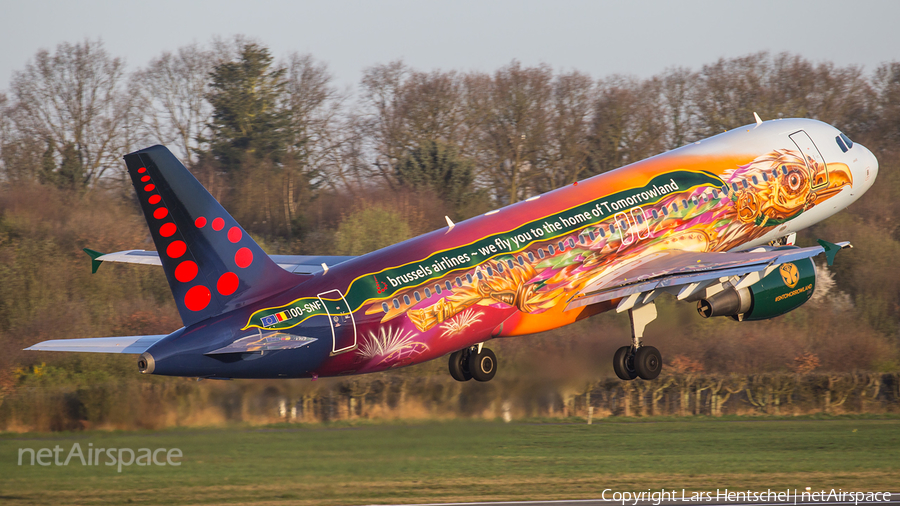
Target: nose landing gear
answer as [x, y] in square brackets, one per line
[474, 362]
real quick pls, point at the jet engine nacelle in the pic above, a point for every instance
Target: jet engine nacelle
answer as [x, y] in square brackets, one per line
[782, 291]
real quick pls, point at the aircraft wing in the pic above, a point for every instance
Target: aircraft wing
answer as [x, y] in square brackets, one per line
[297, 264]
[689, 275]
[127, 344]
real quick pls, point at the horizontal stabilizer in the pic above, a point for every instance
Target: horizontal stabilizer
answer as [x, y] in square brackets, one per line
[126, 344]
[297, 264]
[265, 341]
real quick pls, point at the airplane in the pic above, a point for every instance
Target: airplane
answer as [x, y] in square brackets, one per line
[712, 223]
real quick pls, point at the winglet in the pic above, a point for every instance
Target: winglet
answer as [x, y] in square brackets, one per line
[95, 264]
[450, 223]
[756, 117]
[831, 249]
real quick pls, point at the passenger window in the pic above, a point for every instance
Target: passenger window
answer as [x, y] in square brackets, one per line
[592, 236]
[469, 278]
[459, 281]
[581, 239]
[640, 219]
[490, 271]
[684, 203]
[654, 213]
[450, 285]
[479, 275]
[784, 169]
[571, 242]
[561, 246]
[437, 289]
[385, 307]
[602, 231]
[521, 260]
[734, 186]
[509, 263]
[530, 256]
[396, 303]
[665, 210]
[499, 267]
[417, 296]
[612, 228]
[715, 194]
[744, 183]
[541, 252]
[755, 180]
[551, 250]
[427, 293]
[674, 207]
[765, 176]
[406, 299]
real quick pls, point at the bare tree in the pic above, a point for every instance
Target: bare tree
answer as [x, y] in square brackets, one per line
[628, 124]
[74, 99]
[515, 119]
[173, 91]
[573, 95]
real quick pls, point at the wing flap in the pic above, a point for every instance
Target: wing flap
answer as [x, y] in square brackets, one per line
[674, 269]
[126, 344]
[297, 264]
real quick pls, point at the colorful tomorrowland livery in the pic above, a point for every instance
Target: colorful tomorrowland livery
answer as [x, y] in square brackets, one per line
[711, 223]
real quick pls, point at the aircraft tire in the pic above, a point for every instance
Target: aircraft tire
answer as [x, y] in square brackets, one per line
[459, 365]
[483, 366]
[647, 362]
[623, 364]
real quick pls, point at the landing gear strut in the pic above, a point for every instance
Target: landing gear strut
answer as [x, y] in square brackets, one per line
[638, 361]
[474, 362]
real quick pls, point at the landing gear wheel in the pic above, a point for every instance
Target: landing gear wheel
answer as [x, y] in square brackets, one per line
[647, 362]
[623, 363]
[483, 366]
[459, 365]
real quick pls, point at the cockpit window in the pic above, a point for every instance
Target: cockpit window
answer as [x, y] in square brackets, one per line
[847, 141]
[840, 143]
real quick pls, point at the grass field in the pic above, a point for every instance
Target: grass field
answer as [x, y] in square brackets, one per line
[462, 461]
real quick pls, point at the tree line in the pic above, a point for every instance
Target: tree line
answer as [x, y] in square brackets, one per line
[310, 168]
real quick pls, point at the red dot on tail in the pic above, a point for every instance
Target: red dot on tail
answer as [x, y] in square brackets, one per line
[167, 230]
[154, 199]
[142, 170]
[186, 271]
[200, 222]
[197, 298]
[160, 213]
[227, 284]
[218, 224]
[176, 249]
[145, 179]
[149, 188]
[243, 257]
[234, 234]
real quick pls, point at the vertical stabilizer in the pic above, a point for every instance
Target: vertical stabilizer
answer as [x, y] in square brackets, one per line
[212, 264]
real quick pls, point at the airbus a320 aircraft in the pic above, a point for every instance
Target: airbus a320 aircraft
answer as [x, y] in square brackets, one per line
[712, 222]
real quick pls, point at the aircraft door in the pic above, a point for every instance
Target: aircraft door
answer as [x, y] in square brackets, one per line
[641, 223]
[343, 326]
[623, 223]
[818, 170]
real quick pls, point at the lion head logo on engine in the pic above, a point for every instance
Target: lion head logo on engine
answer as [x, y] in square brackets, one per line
[790, 274]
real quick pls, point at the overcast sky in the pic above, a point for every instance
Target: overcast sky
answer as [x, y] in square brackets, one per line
[601, 38]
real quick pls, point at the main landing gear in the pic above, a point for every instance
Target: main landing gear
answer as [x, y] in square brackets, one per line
[474, 362]
[638, 361]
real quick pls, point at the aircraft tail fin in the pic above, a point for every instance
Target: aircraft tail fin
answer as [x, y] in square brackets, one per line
[213, 266]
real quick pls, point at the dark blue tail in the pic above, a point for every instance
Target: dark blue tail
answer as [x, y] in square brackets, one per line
[212, 264]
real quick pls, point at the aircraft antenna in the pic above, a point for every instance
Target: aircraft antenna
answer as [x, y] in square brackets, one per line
[756, 117]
